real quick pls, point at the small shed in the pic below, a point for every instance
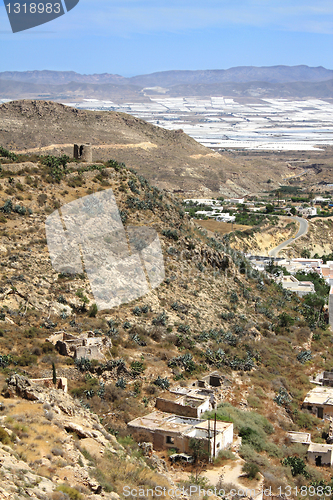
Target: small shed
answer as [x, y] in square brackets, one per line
[320, 454]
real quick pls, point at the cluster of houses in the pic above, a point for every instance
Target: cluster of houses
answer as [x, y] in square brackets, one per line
[294, 266]
[319, 402]
[216, 210]
[176, 420]
[217, 207]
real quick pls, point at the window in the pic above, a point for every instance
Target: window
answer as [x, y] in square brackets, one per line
[170, 440]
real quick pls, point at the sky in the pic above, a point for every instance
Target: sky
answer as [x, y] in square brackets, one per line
[132, 37]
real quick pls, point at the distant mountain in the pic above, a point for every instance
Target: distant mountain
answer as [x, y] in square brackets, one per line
[273, 74]
[10, 89]
[60, 77]
[288, 90]
[241, 74]
[134, 93]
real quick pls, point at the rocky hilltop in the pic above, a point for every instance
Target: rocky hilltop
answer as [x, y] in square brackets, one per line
[171, 160]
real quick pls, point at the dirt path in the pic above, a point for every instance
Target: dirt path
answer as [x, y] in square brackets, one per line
[231, 474]
[142, 145]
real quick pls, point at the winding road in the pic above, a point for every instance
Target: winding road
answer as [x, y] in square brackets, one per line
[303, 229]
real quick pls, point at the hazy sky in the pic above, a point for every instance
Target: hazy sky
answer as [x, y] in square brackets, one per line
[131, 37]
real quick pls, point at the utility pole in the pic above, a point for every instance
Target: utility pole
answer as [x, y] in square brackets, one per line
[209, 458]
[214, 435]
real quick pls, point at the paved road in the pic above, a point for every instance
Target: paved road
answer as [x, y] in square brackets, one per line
[303, 229]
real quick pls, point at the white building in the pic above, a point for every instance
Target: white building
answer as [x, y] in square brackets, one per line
[167, 431]
[320, 199]
[307, 211]
[301, 288]
[236, 201]
[225, 217]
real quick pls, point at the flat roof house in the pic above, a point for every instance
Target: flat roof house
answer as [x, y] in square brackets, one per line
[317, 453]
[174, 431]
[319, 401]
[187, 405]
[301, 288]
[320, 454]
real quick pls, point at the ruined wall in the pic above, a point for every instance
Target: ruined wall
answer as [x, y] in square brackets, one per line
[176, 408]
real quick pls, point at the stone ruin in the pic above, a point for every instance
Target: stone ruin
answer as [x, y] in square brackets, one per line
[83, 152]
[87, 345]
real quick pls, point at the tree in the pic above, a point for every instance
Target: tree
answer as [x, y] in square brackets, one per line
[293, 210]
[93, 310]
[316, 303]
[285, 320]
[305, 254]
[54, 374]
[197, 450]
[200, 456]
[269, 209]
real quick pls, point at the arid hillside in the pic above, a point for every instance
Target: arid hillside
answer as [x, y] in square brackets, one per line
[171, 160]
[212, 312]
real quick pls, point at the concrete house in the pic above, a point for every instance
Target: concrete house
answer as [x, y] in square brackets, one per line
[301, 288]
[307, 211]
[174, 431]
[319, 401]
[320, 454]
[187, 405]
[317, 453]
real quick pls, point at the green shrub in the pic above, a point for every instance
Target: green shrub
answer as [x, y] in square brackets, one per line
[4, 436]
[137, 368]
[26, 359]
[93, 310]
[250, 469]
[163, 383]
[72, 493]
[226, 455]
[170, 233]
[297, 466]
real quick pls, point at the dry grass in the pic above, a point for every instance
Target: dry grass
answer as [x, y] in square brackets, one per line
[37, 436]
[220, 227]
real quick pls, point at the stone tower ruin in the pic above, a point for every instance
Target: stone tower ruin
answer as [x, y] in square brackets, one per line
[83, 152]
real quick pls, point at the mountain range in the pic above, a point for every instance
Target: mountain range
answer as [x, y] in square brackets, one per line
[272, 74]
[244, 81]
